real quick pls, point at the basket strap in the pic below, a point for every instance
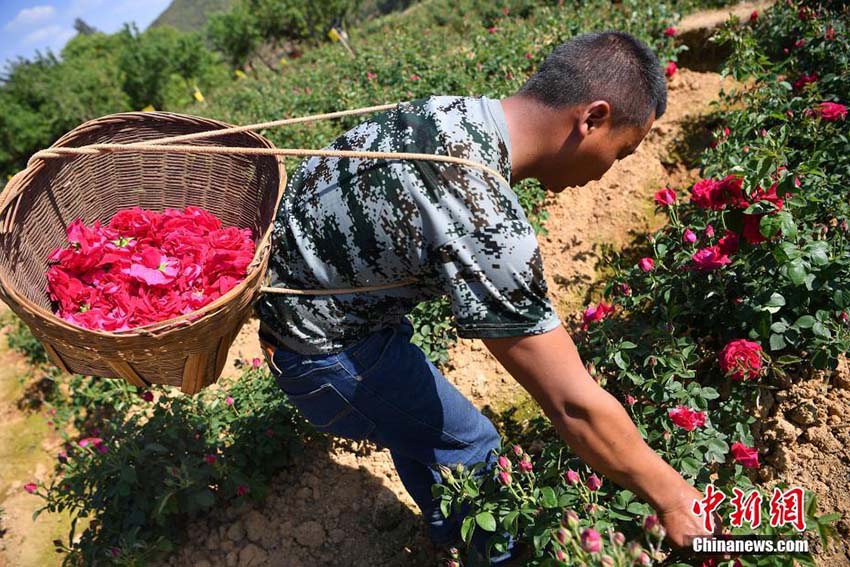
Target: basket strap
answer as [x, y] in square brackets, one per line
[94, 149]
[167, 145]
[269, 289]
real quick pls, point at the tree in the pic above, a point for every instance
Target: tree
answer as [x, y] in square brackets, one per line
[235, 33]
[83, 28]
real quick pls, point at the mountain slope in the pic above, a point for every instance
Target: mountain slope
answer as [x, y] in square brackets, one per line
[190, 15]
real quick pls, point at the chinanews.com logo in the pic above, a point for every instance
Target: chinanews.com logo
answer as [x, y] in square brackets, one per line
[786, 507]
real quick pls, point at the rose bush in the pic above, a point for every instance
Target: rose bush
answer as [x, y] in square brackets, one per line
[742, 291]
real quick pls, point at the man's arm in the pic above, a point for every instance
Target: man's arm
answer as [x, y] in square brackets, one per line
[596, 425]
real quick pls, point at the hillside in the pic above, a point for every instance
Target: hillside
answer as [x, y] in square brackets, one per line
[189, 15]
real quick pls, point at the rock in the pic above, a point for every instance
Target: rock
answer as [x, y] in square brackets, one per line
[213, 541]
[805, 413]
[227, 546]
[310, 534]
[202, 563]
[252, 556]
[337, 535]
[821, 438]
[232, 559]
[256, 525]
[236, 532]
[304, 493]
[841, 377]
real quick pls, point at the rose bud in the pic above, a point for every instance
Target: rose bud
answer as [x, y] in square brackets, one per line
[607, 561]
[635, 550]
[504, 463]
[31, 487]
[525, 464]
[505, 478]
[517, 450]
[689, 236]
[571, 519]
[591, 541]
[572, 477]
[563, 536]
[594, 483]
[643, 559]
[618, 538]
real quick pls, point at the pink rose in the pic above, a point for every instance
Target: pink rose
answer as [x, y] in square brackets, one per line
[31, 487]
[646, 264]
[747, 456]
[741, 359]
[689, 236]
[686, 418]
[572, 477]
[505, 477]
[256, 363]
[504, 463]
[710, 258]
[830, 111]
[591, 541]
[630, 400]
[229, 400]
[597, 313]
[525, 464]
[665, 196]
[594, 483]
[709, 231]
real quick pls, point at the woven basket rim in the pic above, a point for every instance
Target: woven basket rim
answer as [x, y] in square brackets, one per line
[159, 328]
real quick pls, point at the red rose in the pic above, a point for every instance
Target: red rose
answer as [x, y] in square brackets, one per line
[729, 243]
[754, 16]
[805, 80]
[670, 32]
[671, 69]
[741, 359]
[687, 418]
[744, 455]
[710, 258]
[830, 111]
[597, 313]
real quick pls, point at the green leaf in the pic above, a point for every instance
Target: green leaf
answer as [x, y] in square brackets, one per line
[775, 303]
[777, 342]
[466, 528]
[820, 330]
[797, 272]
[205, 499]
[709, 393]
[510, 521]
[805, 322]
[486, 521]
[548, 498]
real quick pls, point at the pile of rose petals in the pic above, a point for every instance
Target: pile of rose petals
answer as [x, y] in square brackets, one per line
[145, 266]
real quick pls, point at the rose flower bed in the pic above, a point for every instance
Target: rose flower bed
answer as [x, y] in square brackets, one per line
[742, 293]
[144, 267]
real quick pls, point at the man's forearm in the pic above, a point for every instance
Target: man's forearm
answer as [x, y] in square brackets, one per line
[600, 431]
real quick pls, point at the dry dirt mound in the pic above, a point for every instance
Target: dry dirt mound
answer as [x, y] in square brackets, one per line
[348, 508]
[808, 442]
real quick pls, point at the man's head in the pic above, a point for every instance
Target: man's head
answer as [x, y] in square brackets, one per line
[604, 89]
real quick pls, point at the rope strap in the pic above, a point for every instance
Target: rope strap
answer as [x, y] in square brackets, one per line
[169, 144]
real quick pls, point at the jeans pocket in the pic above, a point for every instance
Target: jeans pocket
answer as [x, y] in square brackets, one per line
[328, 410]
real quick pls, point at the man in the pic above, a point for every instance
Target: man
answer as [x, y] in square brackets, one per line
[345, 359]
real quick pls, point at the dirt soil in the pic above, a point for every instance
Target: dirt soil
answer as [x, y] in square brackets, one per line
[349, 508]
[807, 438]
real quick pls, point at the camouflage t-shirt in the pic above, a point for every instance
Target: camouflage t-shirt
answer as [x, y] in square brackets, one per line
[346, 222]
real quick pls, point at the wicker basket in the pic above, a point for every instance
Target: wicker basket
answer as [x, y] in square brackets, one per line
[38, 204]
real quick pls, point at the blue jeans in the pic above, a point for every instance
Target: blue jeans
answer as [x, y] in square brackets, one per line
[384, 389]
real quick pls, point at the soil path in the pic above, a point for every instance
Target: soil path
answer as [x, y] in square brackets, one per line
[347, 508]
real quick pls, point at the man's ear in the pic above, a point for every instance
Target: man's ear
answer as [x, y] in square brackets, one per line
[596, 115]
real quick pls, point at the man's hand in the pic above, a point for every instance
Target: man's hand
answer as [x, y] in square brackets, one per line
[596, 426]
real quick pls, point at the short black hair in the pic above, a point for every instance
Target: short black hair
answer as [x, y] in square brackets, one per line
[611, 65]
